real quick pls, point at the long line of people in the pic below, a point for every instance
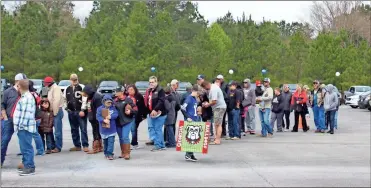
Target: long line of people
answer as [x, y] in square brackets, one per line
[205, 101]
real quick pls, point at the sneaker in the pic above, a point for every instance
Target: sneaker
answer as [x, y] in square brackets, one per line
[27, 172]
[149, 143]
[110, 158]
[252, 133]
[294, 131]
[280, 131]
[270, 135]
[243, 133]
[39, 154]
[286, 130]
[235, 138]
[135, 147]
[190, 158]
[75, 149]
[56, 150]
[227, 138]
[260, 135]
[154, 149]
[48, 152]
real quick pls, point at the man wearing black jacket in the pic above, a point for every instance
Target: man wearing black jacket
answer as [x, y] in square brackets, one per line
[94, 101]
[207, 113]
[74, 102]
[277, 109]
[155, 103]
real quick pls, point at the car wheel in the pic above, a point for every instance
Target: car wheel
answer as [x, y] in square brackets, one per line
[354, 106]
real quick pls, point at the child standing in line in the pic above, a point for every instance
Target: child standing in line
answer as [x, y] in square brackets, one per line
[259, 91]
[107, 125]
[170, 121]
[46, 126]
[192, 112]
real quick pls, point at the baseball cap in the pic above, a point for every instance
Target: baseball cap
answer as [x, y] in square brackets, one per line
[220, 77]
[258, 83]
[48, 79]
[20, 76]
[267, 80]
[246, 80]
[173, 82]
[120, 89]
[200, 77]
[74, 77]
[234, 83]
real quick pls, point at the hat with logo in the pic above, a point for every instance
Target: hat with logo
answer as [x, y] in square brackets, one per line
[220, 77]
[20, 76]
[258, 83]
[200, 77]
[173, 82]
[48, 80]
[267, 80]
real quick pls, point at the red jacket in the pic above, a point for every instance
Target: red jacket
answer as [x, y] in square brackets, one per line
[295, 97]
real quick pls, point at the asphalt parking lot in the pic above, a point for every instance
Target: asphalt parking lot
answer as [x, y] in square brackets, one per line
[287, 159]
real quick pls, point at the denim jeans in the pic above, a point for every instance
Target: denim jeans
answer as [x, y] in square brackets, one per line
[233, 123]
[134, 133]
[25, 144]
[77, 123]
[58, 129]
[336, 119]
[250, 119]
[39, 143]
[332, 119]
[6, 135]
[151, 129]
[124, 131]
[109, 145]
[47, 140]
[319, 117]
[156, 125]
[264, 118]
[170, 135]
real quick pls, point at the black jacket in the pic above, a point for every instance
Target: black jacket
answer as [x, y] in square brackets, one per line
[277, 104]
[142, 110]
[158, 100]
[94, 102]
[74, 98]
[120, 105]
[207, 113]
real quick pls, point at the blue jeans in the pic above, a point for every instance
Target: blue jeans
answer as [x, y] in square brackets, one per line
[151, 129]
[336, 119]
[170, 135]
[124, 131]
[48, 140]
[233, 123]
[134, 133]
[319, 117]
[6, 135]
[25, 144]
[332, 119]
[264, 118]
[155, 125]
[77, 122]
[58, 130]
[109, 145]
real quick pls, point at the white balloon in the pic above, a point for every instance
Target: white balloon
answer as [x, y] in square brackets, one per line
[231, 71]
[81, 69]
[337, 74]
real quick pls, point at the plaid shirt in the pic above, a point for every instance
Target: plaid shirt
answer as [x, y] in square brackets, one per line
[24, 114]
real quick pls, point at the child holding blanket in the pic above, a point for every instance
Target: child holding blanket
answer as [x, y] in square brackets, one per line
[106, 116]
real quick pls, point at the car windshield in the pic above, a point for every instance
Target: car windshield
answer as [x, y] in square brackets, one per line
[184, 85]
[108, 84]
[37, 82]
[2, 84]
[292, 86]
[362, 89]
[142, 85]
[64, 83]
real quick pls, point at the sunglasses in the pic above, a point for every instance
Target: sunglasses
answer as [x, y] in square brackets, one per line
[246, 82]
[315, 83]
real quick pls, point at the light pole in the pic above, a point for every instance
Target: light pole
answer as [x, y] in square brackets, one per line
[231, 71]
[80, 69]
[337, 74]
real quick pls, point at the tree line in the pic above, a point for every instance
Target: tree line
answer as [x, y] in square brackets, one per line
[122, 40]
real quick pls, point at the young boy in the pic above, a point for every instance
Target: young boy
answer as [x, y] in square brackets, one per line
[259, 90]
[192, 112]
[107, 125]
[170, 104]
[46, 126]
[277, 109]
[233, 109]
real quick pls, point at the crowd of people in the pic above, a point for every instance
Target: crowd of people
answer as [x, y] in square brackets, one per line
[38, 116]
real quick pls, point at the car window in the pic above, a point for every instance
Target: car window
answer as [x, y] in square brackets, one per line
[362, 89]
[184, 85]
[142, 85]
[351, 89]
[64, 83]
[108, 84]
[37, 82]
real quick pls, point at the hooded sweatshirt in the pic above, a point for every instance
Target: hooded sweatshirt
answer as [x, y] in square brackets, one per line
[111, 131]
[331, 99]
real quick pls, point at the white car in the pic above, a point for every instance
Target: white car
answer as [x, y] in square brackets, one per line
[352, 101]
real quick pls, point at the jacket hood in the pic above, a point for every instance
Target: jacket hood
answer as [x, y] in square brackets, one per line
[107, 98]
[330, 88]
[88, 89]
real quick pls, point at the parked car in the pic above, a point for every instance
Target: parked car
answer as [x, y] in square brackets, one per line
[37, 84]
[339, 94]
[363, 101]
[108, 87]
[5, 84]
[183, 87]
[369, 104]
[356, 90]
[142, 86]
[352, 101]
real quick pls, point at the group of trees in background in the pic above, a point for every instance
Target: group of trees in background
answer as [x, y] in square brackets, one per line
[123, 40]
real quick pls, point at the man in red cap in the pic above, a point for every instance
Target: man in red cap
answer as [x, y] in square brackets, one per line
[55, 97]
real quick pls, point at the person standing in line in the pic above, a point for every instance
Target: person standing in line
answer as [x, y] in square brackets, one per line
[46, 126]
[233, 109]
[249, 102]
[55, 97]
[174, 85]
[74, 109]
[316, 101]
[224, 88]
[277, 110]
[185, 95]
[207, 113]
[170, 105]
[36, 136]
[218, 105]
[138, 100]
[299, 99]
[127, 110]
[155, 104]
[286, 101]
[331, 102]
[265, 109]
[25, 124]
[8, 104]
[94, 101]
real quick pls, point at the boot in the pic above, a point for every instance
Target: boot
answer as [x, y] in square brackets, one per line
[100, 148]
[122, 151]
[126, 151]
[95, 147]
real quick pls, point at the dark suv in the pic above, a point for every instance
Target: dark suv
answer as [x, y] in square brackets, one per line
[108, 87]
